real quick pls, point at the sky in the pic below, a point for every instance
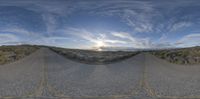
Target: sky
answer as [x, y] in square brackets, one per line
[87, 24]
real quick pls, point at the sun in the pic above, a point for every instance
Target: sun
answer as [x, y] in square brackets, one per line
[99, 45]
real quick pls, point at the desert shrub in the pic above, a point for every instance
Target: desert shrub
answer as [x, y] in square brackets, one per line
[12, 53]
[180, 56]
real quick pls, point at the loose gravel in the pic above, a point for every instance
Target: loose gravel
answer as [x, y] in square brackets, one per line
[172, 80]
[21, 77]
[77, 79]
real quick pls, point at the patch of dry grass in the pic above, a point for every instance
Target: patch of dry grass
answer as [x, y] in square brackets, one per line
[12, 53]
[180, 56]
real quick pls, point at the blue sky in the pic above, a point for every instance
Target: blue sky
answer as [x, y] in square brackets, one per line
[95, 23]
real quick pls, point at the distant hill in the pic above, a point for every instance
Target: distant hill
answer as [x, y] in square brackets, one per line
[92, 56]
[118, 49]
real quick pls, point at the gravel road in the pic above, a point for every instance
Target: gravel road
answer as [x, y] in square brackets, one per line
[21, 77]
[45, 74]
[171, 80]
[77, 79]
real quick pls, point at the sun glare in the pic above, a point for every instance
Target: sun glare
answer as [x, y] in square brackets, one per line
[99, 45]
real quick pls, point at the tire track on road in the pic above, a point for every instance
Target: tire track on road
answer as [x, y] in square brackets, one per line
[144, 83]
[44, 87]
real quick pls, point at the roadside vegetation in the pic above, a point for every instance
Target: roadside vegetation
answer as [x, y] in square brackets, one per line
[94, 57]
[12, 53]
[180, 56]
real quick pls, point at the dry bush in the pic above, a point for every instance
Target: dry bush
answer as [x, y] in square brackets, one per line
[12, 53]
[180, 56]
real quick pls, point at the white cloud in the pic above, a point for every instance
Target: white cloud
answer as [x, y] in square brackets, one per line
[17, 30]
[189, 40]
[136, 14]
[124, 35]
[47, 6]
[180, 25]
[110, 38]
[163, 38]
[139, 21]
[8, 38]
[15, 35]
[50, 21]
[56, 41]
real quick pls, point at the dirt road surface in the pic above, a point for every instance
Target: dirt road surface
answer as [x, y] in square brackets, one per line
[47, 75]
